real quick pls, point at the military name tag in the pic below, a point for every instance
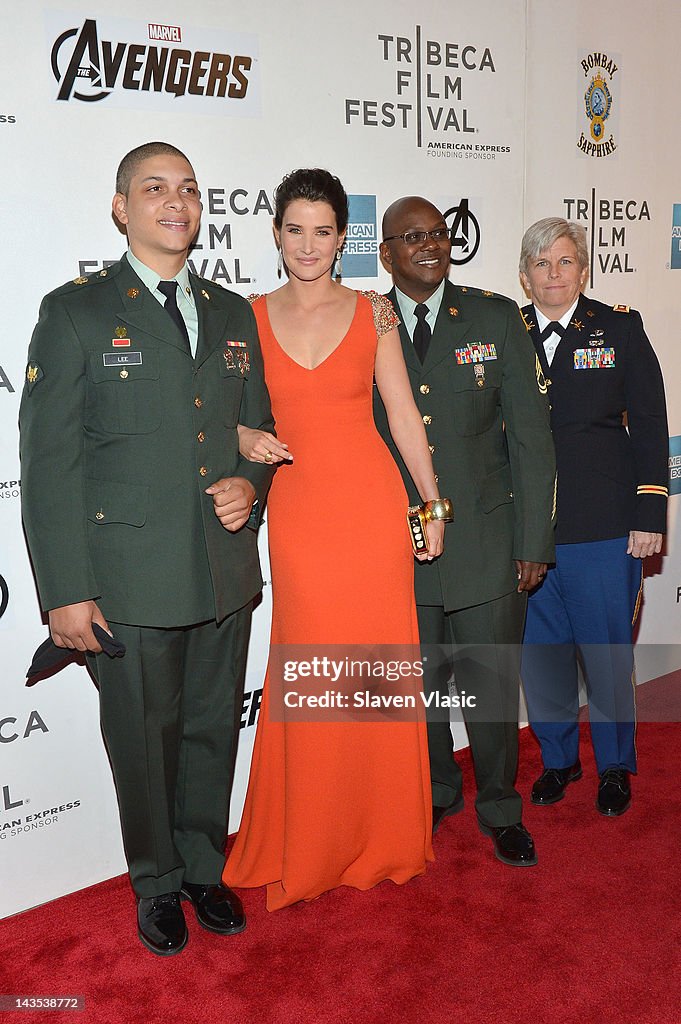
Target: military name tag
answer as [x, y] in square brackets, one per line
[122, 358]
[594, 358]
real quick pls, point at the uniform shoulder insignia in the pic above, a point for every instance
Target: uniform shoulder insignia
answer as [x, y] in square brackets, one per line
[80, 280]
[621, 309]
[485, 293]
[34, 374]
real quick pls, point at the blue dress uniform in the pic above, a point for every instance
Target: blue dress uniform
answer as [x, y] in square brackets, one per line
[609, 424]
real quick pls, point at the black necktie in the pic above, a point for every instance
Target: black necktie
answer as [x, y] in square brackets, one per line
[421, 331]
[553, 327]
[169, 289]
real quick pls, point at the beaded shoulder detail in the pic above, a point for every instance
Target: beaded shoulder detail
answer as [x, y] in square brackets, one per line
[385, 317]
[254, 296]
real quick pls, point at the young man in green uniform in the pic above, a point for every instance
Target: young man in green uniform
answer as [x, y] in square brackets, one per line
[473, 374]
[141, 516]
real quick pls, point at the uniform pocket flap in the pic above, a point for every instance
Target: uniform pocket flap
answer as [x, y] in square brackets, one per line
[496, 489]
[110, 502]
[236, 360]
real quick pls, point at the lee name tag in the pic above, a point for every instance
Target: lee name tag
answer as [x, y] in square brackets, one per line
[122, 358]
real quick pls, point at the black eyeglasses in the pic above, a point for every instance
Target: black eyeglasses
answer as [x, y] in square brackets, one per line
[413, 237]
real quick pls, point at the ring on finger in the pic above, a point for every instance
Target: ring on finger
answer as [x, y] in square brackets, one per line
[268, 456]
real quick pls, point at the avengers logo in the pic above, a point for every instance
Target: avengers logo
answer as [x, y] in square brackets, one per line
[89, 70]
[464, 232]
[4, 596]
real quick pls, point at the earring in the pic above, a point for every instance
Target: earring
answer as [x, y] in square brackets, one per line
[339, 265]
[280, 264]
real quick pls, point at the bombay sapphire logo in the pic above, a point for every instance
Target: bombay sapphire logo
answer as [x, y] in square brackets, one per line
[597, 129]
[675, 262]
[360, 252]
[675, 465]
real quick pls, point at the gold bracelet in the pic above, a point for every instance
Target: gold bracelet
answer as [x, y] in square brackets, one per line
[439, 509]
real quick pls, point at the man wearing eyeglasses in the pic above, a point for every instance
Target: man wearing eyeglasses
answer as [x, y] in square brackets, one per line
[483, 400]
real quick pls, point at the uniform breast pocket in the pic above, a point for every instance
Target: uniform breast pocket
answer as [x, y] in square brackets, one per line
[475, 410]
[233, 373]
[124, 393]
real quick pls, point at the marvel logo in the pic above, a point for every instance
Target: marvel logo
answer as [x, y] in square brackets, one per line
[166, 33]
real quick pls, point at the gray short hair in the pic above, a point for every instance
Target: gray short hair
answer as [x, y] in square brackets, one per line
[542, 235]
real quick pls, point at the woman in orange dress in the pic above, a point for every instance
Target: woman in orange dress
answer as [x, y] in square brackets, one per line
[346, 800]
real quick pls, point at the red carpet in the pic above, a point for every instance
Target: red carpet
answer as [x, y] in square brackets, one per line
[592, 934]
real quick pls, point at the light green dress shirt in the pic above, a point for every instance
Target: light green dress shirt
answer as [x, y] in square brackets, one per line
[185, 296]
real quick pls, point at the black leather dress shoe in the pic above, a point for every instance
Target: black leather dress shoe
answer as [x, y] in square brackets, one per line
[551, 785]
[160, 923]
[217, 908]
[513, 844]
[439, 813]
[614, 792]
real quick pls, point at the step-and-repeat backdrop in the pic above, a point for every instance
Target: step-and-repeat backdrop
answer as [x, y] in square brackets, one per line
[500, 113]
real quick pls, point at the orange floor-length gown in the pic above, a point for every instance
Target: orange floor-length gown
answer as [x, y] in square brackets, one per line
[341, 802]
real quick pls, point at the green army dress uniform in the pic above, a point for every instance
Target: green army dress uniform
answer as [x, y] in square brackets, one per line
[485, 412]
[121, 432]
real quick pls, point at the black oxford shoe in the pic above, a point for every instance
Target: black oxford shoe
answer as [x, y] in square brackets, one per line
[551, 785]
[614, 792]
[513, 844]
[440, 813]
[161, 925]
[217, 908]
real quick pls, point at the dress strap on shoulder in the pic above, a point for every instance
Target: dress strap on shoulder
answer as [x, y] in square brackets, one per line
[254, 296]
[385, 317]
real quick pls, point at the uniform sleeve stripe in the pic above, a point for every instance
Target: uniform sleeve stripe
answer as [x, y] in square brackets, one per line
[652, 489]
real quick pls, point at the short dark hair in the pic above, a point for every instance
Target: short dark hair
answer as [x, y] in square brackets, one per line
[131, 161]
[315, 185]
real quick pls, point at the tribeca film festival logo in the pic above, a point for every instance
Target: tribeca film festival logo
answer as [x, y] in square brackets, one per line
[598, 107]
[213, 256]
[152, 65]
[675, 464]
[428, 95]
[608, 222]
[13, 729]
[5, 382]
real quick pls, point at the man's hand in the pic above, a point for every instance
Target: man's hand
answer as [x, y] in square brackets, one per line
[233, 498]
[641, 544]
[530, 574]
[71, 626]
